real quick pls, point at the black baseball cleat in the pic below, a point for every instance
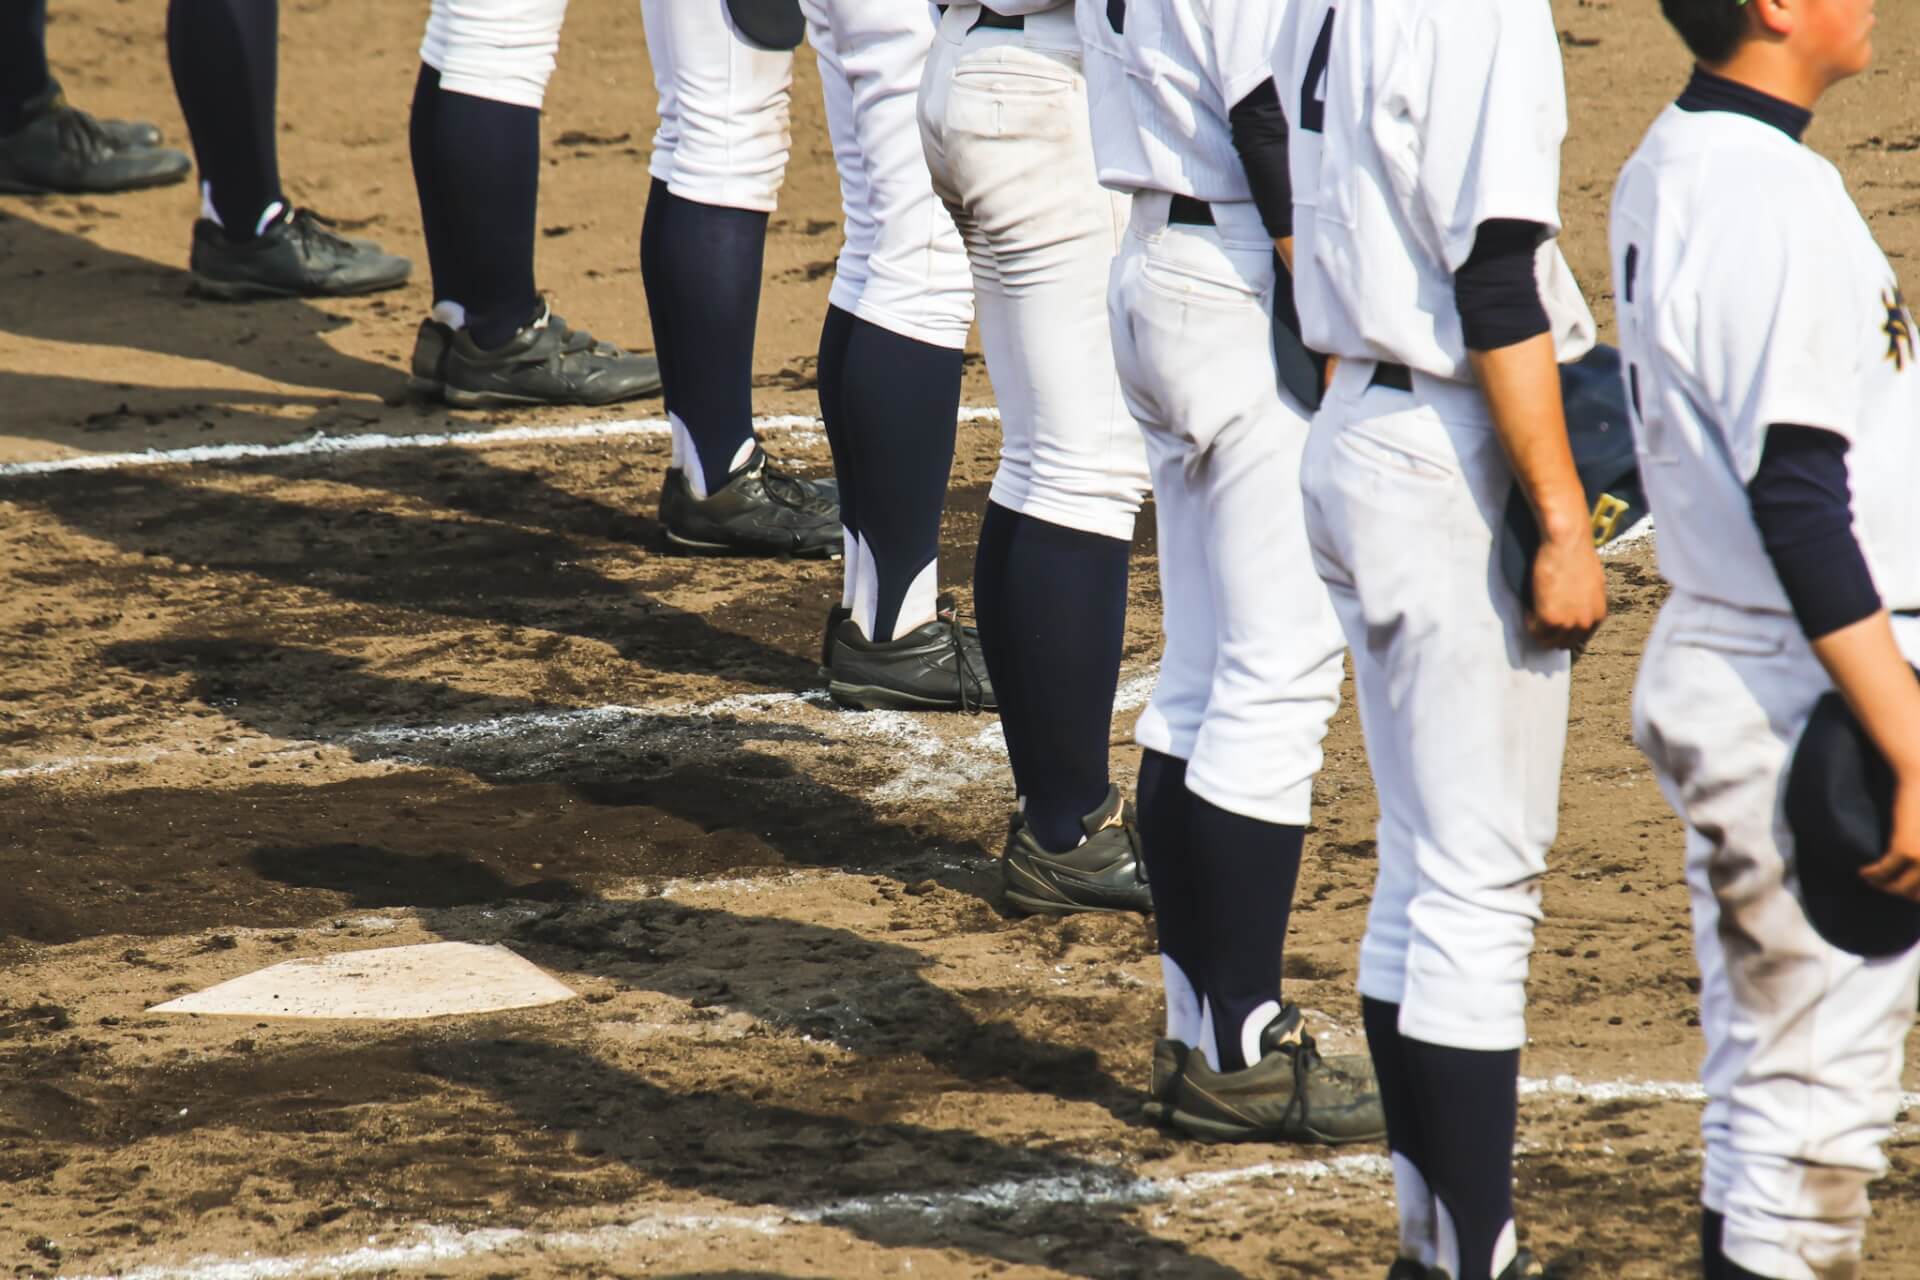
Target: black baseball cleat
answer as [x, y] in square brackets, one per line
[297, 256]
[60, 149]
[937, 666]
[545, 363]
[1163, 1081]
[1291, 1095]
[427, 372]
[838, 614]
[1103, 873]
[760, 511]
[1408, 1269]
[1523, 1267]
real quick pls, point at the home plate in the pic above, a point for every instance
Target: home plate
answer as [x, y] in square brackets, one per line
[432, 980]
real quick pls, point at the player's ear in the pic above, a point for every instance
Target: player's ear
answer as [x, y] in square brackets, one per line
[1776, 18]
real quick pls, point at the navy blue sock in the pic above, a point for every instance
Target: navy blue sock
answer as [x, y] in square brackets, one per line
[423, 125]
[1245, 871]
[831, 382]
[476, 165]
[1055, 607]
[1392, 1070]
[225, 57]
[23, 59]
[1468, 1104]
[1714, 1264]
[654, 234]
[901, 403]
[704, 277]
[1165, 809]
[990, 580]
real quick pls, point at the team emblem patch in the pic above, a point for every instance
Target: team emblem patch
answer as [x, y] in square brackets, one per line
[1899, 329]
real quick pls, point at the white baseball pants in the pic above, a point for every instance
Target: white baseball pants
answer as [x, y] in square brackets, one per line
[1251, 671]
[902, 267]
[501, 50]
[724, 107]
[1465, 718]
[1003, 118]
[1804, 1041]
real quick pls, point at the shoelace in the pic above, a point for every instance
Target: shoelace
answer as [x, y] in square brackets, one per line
[791, 491]
[316, 229]
[80, 131]
[973, 686]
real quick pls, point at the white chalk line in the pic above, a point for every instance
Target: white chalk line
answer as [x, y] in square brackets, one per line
[323, 445]
[1099, 1187]
[1093, 1188]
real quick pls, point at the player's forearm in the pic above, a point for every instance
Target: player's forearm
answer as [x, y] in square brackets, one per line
[1868, 669]
[1283, 245]
[1522, 386]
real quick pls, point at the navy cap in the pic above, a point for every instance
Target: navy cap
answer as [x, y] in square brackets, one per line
[1840, 810]
[772, 24]
[1595, 397]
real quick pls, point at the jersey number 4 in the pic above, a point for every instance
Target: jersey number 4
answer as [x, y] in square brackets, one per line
[1313, 101]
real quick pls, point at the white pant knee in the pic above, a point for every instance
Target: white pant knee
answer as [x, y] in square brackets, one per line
[724, 107]
[501, 50]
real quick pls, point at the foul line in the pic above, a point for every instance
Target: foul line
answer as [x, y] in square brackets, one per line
[1096, 1188]
[1099, 1187]
[325, 445]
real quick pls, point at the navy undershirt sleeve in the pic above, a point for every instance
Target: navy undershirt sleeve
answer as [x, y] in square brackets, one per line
[1495, 289]
[1803, 505]
[1260, 136]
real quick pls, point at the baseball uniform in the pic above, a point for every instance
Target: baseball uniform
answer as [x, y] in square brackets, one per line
[1250, 673]
[1752, 295]
[1416, 122]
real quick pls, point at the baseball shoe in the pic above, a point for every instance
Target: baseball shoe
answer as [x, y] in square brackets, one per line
[838, 614]
[297, 256]
[61, 149]
[1102, 873]
[937, 666]
[1291, 1095]
[1523, 1267]
[546, 363]
[760, 510]
[1169, 1061]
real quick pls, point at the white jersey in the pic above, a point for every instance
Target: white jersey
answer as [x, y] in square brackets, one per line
[1750, 293]
[1413, 122]
[1161, 77]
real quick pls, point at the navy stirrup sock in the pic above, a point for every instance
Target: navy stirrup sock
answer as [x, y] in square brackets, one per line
[1246, 873]
[1468, 1103]
[23, 59]
[1052, 609]
[225, 58]
[1714, 1264]
[476, 164]
[831, 378]
[1165, 811]
[704, 279]
[900, 403]
[1397, 1099]
[654, 235]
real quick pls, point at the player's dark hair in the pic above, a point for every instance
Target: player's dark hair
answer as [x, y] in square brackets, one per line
[1711, 28]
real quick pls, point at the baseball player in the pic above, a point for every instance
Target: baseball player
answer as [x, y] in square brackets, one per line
[897, 320]
[49, 145]
[1771, 370]
[719, 157]
[1425, 159]
[490, 339]
[1003, 117]
[1187, 121]
[250, 241]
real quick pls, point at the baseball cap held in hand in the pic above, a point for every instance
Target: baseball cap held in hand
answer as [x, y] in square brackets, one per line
[1840, 809]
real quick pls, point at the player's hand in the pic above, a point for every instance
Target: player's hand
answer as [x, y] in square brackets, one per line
[1569, 592]
[1898, 873]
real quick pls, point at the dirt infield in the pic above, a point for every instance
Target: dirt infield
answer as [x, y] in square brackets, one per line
[313, 700]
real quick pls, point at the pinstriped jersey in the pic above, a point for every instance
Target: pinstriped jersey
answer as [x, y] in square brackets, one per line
[1161, 78]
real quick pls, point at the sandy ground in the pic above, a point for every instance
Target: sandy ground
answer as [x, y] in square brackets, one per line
[310, 702]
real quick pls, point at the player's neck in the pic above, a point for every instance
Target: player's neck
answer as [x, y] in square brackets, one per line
[1771, 67]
